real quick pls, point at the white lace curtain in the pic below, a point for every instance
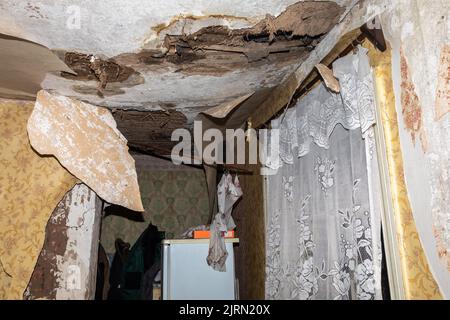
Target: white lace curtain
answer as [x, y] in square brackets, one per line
[323, 225]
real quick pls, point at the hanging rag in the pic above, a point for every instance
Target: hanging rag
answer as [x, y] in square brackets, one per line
[228, 192]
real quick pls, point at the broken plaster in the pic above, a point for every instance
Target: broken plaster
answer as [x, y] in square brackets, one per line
[85, 140]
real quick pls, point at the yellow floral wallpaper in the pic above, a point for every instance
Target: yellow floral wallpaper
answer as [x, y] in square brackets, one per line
[30, 188]
[418, 281]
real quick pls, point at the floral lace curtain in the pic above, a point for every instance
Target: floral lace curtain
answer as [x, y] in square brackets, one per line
[323, 225]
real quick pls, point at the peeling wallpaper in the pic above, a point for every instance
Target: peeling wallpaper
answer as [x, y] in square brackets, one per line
[418, 32]
[30, 188]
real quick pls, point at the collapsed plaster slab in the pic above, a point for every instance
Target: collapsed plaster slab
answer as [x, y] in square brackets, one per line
[418, 34]
[229, 54]
[85, 140]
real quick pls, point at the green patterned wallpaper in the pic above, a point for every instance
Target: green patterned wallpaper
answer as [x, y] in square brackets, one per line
[173, 201]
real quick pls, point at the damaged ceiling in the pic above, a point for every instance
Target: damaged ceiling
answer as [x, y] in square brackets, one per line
[176, 58]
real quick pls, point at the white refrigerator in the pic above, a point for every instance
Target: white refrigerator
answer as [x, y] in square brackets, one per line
[187, 276]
